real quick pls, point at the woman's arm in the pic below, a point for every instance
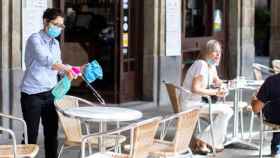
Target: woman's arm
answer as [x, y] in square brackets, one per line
[197, 87]
[216, 79]
[63, 68]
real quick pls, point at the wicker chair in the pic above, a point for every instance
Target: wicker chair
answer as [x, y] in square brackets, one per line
[17, 151]
[185, 125]
[272, 128]
[258, 70]
[174, 93]
[264, 125]
[141, 137]
[73, 127]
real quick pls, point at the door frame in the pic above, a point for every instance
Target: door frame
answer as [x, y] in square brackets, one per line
[136, 44]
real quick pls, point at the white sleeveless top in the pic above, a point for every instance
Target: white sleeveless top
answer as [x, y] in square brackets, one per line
[199, 67]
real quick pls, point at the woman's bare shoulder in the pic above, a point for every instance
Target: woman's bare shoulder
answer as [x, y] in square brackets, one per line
[199, 63]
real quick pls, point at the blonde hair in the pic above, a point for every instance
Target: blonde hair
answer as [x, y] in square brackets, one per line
[211, 46]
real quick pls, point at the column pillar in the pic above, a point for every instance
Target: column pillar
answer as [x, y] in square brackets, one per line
[156, 65]
[5, 59]
[247, 38]
[150, 49]
[241, 37]
[275, 28]
[10, 60]
[234, 36]
[15, 55]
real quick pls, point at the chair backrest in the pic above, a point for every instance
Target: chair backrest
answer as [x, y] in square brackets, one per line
[260, 69]
[257, 71]
[143, 137]
[185, 125]
[23, 150]
[174, 97]
[276, 65]
[71, 126]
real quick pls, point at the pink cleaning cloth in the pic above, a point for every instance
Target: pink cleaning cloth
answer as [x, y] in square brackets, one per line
[76, 70]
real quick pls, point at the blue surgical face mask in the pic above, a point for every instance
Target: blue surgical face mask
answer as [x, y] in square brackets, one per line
[211, 62]
[54, 31]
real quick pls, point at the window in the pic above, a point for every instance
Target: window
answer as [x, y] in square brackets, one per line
[198, 18]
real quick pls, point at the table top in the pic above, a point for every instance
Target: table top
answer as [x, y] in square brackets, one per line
[98, 113]
[246, 84]
[254, 82]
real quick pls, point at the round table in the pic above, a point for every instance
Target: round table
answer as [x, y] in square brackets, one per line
[246, 84]
[102, 115]
[238, 86]
[98, 113]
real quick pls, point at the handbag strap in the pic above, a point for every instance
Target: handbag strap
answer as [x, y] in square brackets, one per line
[208, 78]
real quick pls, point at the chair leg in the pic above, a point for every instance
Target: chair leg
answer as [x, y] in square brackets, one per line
[198, 125]
[212, 135]
[89, 149]
[118, 148]
[242, 123]
[80, 153]
[61, 151]
[251, 126]
[213, 141]
[265, 134]
[261, 138]
[190, 154]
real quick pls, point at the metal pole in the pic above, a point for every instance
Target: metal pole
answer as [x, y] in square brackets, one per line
[238, 68]
[239, 37]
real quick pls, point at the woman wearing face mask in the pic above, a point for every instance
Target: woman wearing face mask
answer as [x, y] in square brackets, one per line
[43, 63]
[199, 79]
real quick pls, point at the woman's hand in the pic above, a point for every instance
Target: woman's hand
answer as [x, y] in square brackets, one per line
[69, 74]
[256, 104]
[82, 68]
[217, 83]
[221, 92]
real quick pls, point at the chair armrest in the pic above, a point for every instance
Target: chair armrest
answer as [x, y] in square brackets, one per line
[184, 90]
[174, 116]
[263, 68]
[12, 117]
[163, 142]
[115, 131]
[10, 132]
[19, 120]
[187, 91]
[178, 87]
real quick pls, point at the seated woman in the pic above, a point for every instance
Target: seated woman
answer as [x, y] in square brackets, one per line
[199, 79]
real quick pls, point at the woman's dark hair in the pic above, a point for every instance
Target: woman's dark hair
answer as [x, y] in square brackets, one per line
[52, 13]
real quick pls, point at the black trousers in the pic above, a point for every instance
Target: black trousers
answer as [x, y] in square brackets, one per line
[36, 107]
[271, 113]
